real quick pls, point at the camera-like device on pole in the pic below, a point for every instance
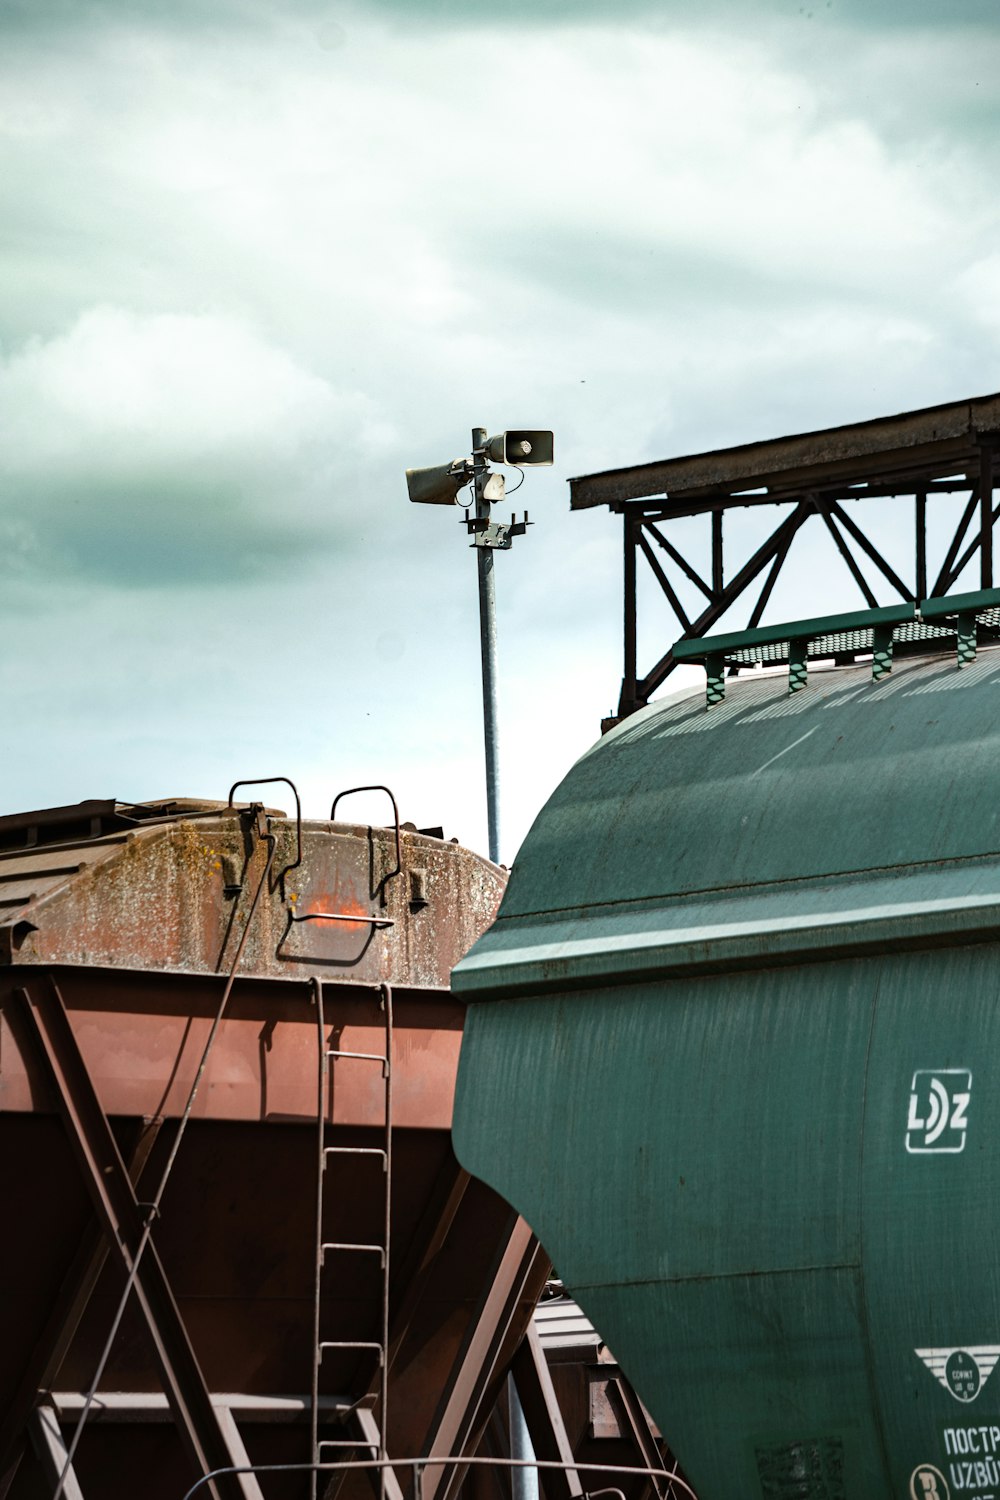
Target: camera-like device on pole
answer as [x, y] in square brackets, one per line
[522, 448]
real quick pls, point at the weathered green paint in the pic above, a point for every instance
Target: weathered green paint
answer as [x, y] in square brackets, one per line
[713, 1136]
[967, 639]
[881, 651]
[952, 604]
[715, 684]
[769, 635]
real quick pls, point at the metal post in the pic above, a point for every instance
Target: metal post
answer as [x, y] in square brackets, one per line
[385, 995]
[717, 583]
[920, 508]
[323, 1065]
[524, 1482]
[986, 516]
[628, 704]
[488, 646]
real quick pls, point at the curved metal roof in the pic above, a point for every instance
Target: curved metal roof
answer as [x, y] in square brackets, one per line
[168, 887]
[772, 824]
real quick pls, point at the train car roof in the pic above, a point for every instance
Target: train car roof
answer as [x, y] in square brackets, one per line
[769, 828]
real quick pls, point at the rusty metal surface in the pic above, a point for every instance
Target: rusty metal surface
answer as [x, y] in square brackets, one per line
[142, 1036]
[137, 914]
[235, 1240]
[42, 1365]
[41, 1012]
[903, 441]
[492, 1340]
[173, 896]
[546, 1425]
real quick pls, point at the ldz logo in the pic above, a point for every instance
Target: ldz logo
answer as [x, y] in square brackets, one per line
[939, 1098]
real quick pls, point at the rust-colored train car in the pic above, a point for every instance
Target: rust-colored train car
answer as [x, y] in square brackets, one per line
[211, 1013]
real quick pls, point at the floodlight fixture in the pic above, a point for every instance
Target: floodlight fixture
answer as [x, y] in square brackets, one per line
[442, 484]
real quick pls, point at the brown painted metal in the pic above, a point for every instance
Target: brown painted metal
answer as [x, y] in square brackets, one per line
[414, 1276]
[141, 1036]
[45, 1361]
[135, 914]
[135, 929]
[484, 1360]
[155, 899]
[986, 515]
[603, 1418]
[43, 1015]
[637, 1428]
[546, 1426]
[894, 445]
[52, 1454]
[428, 1242]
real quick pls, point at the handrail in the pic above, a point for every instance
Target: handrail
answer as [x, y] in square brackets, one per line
[267, 781]
[418, 1465]
[794, 630]
[376, 787]
[929, 619]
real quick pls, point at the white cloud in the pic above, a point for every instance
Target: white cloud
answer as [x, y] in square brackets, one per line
[171, 386]
[255, 269]
[140, 425]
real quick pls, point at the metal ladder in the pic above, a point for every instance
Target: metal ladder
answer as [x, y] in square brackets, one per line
[371, 1434]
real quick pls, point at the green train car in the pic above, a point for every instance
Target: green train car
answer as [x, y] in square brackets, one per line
[733, 1050]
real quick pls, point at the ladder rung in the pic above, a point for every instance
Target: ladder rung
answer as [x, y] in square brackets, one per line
[362, 1056]
[378, 1250]
[350, 1344]
[354, 1151]
[357, 1442]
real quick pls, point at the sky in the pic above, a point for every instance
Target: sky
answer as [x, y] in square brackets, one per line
[260, 258]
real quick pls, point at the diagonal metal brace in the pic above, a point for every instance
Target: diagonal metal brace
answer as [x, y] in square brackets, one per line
[45, 1021]
[546, 1426]
[65, 1314]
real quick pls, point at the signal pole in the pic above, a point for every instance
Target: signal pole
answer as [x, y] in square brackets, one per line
[440, 485]
[487, 645]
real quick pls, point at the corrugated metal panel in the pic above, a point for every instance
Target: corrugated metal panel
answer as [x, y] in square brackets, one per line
[28, 877]
[562, 1324]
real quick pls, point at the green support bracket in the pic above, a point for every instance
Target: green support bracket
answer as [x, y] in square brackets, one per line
[881, 651]
[797, 637]
[964, 610]
[966, 640]
[798, 665]
[691, 648]
[715, 686]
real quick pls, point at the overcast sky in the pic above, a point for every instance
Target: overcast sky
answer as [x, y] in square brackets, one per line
[259, 258]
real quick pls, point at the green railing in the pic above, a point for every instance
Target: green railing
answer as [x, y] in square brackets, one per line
[951, 620]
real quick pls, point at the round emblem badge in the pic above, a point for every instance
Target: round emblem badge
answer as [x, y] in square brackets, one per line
[928, 1483]
[962, 1375]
